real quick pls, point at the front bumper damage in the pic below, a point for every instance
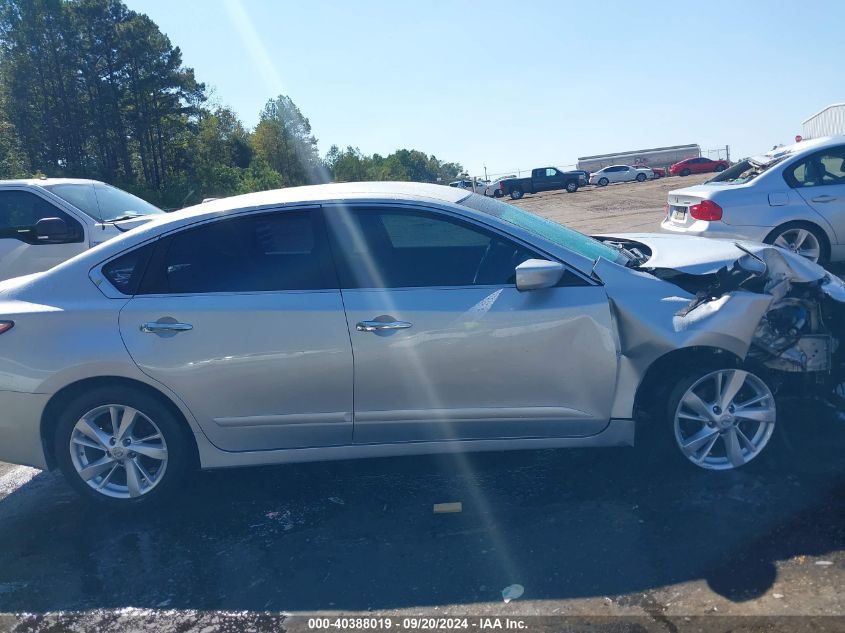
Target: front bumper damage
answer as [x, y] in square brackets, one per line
[768, 307]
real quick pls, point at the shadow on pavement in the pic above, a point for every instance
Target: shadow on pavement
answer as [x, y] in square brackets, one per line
[362, 535]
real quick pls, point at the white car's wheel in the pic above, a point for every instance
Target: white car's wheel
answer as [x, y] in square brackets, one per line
[723, 418]
[603, 181]
[802, 239]
[641, 177]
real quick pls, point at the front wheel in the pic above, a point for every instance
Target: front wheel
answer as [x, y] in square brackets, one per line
[516, 193]
[720, 168]
[721, 419]
[120, 446]
[603, 182]
[497, 193]
[640, 177]
[685, 172]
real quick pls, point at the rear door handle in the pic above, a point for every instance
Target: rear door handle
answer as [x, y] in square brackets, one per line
[154, 327]
[375, 326]
[824, 199]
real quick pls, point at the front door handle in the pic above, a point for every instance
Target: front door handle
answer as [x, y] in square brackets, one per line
[375, 326]
[155, 327]
[824, 198]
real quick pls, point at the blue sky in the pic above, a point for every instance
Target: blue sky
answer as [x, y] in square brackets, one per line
[518, 85]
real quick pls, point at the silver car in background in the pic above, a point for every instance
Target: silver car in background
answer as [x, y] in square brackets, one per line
[792, 197]
[373, 319]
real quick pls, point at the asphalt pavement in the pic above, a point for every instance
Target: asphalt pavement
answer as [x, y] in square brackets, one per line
[598, 533]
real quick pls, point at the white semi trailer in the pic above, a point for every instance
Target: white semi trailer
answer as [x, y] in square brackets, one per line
[655, 157]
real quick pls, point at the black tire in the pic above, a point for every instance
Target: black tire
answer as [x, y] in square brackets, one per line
[720, 168]
[824, 245]
[497, 193]
[571, 186]
[641, 177]
[685, 172]
[176, 439]
[517, 193]
[603, 182]
[667, 440]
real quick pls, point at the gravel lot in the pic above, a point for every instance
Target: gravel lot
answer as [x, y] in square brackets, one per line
[629, 206]
[615, 539]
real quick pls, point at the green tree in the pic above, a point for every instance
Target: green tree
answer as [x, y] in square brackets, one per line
[283, 139]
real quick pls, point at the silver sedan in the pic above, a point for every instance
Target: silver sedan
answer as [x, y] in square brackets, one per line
[371, 319]
[792, 197]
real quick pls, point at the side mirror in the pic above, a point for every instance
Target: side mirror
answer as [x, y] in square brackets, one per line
[52, 230]
[534, 274]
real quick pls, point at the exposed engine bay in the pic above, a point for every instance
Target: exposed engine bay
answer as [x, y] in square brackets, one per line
[801, 333]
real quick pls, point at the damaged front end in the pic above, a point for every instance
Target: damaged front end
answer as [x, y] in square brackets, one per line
[753, 304]
[800, 332]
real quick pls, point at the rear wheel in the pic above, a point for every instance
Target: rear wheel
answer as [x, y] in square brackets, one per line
[803, 239]
[721, 419]
[517, 193]
[571, 186]
[720, 168]
[685, 172]
[603, 182]
[640, 177]
[120, 446]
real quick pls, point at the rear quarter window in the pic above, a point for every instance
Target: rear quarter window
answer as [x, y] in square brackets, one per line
[125, 272]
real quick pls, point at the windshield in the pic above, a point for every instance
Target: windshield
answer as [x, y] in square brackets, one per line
[103, 202]
[557, 233]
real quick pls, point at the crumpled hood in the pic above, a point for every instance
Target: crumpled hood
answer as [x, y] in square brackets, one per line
[704, 256]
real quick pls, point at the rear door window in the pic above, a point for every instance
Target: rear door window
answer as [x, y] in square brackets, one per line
[255, 253]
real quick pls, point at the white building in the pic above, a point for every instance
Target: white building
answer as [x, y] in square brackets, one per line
[827, 122]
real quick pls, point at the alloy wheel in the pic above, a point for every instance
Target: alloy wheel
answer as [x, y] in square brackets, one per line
[725, 419]
[118, 451]
[800, 241]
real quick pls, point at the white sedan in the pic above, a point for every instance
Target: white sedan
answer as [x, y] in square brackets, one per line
[620, 173]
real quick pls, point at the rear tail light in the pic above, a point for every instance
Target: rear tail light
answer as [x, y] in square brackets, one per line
[706, 210]
[5, 326]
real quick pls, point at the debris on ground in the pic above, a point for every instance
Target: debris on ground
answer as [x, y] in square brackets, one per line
[512, 592]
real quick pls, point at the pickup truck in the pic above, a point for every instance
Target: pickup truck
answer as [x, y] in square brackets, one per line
[542, 179]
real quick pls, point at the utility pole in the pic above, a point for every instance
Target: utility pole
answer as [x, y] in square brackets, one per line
[728, 153]
[485, 172]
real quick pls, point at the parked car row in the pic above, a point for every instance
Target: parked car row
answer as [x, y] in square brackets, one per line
[551, 178]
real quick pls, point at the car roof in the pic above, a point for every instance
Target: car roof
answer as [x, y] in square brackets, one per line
[326, 193]
[808, 145]
[41, 182]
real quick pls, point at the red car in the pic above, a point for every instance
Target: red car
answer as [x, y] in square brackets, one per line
[698, 166]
